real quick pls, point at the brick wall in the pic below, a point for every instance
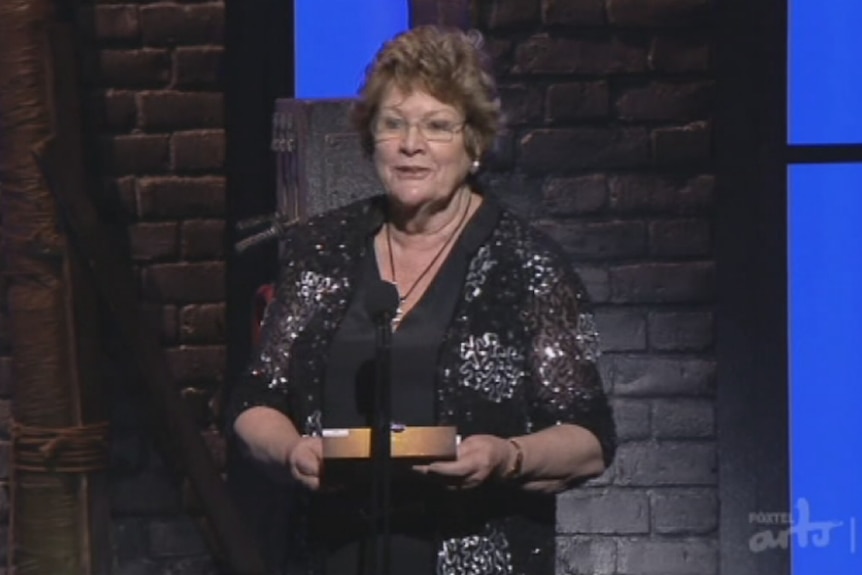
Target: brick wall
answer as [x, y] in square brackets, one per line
[154, 115]
[608, 149]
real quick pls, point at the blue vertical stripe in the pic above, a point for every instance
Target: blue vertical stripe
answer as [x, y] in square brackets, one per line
[336, 39]
[825, 318]
[825, 72]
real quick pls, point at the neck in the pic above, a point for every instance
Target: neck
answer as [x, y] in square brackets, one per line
[426, 225]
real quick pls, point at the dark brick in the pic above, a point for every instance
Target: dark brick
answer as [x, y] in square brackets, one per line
[684, 511]
[666, 101]
[202, 323]
[577, 101]
[184, 282]
[136, 153]
[173, 197]
[573, 12]
[666, 463]
[121, 192]
[545, 55]
[146, 493]
[202, 239]
[174, 24]
[644, 193]
[632, 418]
[169, 111]
[118, 22]
[161, 319]
[600, 240]
[677, 54]
[581, 555]
[198, 67]
[153, 241]
[522, 194]
[657, 13]
[656, 557]
[606, 511]
[690, 282]
[169, 324]
[511, 13]
[6, 377]
[685, 145]
[501, 156]
[176, 537]
[202, 150]
[674, 238]
[113, 111]
[575, 195]
[521, 104]
[197, 365]
[683, 419]
[500, 52]
[197, 401]
[128, 539]
[621, 329]
[145, 68]
[643, 375]
[680, 331]
[597, 283]
[557, 150]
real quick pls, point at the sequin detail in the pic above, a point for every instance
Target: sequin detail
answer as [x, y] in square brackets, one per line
[477, 273]
[486, 553]
[490, 367]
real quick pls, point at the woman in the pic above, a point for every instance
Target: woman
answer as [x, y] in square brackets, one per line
[492, 335]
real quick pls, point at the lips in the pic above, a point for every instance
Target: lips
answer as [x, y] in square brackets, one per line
[412, 172]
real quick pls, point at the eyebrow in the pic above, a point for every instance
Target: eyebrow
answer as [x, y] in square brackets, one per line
[426, 115]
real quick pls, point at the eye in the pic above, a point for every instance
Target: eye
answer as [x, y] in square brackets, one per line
[439, 126]
[390, 124]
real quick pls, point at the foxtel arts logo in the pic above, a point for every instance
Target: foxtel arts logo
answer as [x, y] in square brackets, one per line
[805, 530]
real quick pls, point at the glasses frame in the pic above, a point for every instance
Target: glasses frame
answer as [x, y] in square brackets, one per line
[405, 132]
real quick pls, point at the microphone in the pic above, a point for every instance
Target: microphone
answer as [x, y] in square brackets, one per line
[275, 227]
[381, 302]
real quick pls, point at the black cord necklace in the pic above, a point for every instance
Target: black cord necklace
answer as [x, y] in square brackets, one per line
[399, 313]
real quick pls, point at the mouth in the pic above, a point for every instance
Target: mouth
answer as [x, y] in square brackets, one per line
[412, 172]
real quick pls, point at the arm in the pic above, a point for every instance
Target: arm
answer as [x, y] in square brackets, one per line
[567, 405]
[261, 398]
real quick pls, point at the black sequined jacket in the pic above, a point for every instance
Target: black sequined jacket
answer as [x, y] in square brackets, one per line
[518, 356]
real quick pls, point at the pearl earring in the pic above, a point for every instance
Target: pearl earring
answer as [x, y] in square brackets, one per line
[474, 167]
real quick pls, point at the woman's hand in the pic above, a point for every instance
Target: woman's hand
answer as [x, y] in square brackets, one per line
[479, 458]
[305, 460]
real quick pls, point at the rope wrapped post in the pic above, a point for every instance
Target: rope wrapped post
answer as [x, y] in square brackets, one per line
[58, 445]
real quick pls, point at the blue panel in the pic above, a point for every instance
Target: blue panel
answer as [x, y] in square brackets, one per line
[336, 39]
[825, 316]
[825, 72]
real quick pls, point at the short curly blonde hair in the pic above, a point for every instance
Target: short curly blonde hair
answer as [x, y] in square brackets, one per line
[448, 64]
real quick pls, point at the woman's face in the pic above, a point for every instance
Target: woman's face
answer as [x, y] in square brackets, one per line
[419, 148]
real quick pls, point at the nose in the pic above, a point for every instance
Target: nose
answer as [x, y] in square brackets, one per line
[412, 140]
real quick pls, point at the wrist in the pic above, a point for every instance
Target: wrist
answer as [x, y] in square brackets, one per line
[515, 462]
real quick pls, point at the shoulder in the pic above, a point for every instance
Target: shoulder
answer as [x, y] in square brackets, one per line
[339, 232]
[540, 261]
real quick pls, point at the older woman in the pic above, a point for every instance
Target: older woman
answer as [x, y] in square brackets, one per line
[492, 335]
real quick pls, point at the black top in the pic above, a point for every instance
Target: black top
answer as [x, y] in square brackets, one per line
[348, 393]
[518, 355]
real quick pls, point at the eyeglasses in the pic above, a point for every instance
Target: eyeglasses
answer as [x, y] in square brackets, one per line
[432, 129]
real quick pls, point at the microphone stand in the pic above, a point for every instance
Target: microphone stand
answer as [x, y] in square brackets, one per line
[382, 302]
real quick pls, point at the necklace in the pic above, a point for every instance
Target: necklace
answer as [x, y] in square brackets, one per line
[399, 312]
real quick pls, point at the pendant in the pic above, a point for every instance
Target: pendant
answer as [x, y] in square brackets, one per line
[399, 314]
